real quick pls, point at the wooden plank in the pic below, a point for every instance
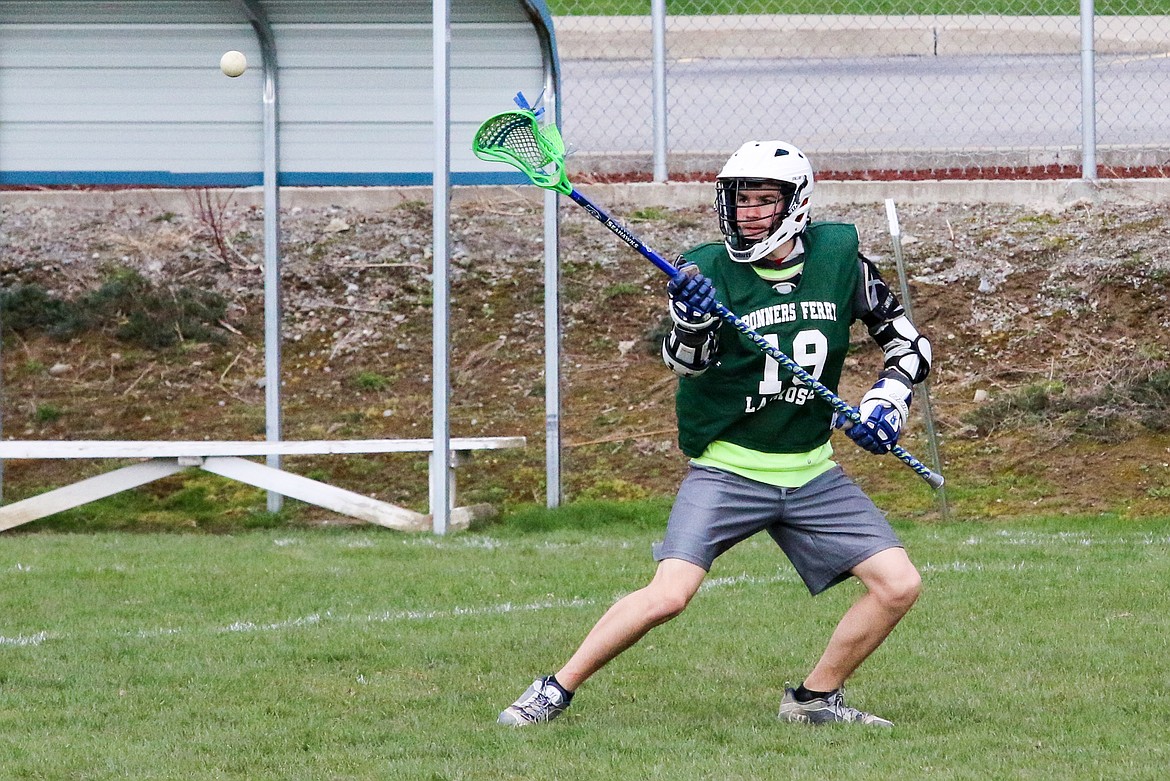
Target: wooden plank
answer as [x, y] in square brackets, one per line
[321, 494]
[14, 449]
[85, 491]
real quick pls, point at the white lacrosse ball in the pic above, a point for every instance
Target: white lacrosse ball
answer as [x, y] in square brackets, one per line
[233, 63]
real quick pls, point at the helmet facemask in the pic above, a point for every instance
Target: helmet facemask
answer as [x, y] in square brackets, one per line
[750, 210]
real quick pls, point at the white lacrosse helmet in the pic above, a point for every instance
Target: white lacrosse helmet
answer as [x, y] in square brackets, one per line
[763, 168]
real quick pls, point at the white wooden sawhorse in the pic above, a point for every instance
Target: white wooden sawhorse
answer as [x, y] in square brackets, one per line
[229, 460]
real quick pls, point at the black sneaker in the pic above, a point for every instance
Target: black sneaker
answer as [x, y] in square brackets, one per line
[826, 710]
[541, 702]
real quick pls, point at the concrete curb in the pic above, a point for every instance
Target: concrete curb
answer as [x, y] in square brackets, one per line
[683, 164]
[1041, 194]
[1045, 194]
[850, 36]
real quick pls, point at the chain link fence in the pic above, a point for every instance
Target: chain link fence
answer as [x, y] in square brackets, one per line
[878, 89]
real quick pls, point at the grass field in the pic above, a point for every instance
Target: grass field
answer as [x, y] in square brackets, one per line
[1038, 651]
[863, 7]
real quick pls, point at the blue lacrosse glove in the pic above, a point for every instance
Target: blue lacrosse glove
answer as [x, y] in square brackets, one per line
[883, 411]
[692, 298]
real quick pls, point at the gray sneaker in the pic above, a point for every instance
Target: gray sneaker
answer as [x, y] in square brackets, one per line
[541, 702]
[825, 710]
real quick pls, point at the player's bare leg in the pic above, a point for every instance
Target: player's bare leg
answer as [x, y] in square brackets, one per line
[892, 586]
[624, 624]
[631, 617]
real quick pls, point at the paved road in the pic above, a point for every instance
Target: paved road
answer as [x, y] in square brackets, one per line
[922, 104]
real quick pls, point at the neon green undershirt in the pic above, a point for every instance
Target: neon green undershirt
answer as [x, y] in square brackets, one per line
[787, 470]
[778, 275]
[771, 275]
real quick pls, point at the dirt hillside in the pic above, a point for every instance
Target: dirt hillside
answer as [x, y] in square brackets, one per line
[1058, 322]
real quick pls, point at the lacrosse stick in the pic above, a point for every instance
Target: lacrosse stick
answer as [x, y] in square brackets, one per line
[516, 138]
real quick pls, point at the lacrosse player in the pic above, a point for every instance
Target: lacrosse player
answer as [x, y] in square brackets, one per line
[759, 440]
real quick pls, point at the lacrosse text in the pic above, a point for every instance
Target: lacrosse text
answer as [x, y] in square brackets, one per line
[793, 394]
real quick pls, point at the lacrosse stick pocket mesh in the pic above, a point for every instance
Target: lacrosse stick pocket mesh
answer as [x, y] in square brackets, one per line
[516, 138]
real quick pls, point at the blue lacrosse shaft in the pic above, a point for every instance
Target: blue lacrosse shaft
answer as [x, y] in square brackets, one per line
[836, 402]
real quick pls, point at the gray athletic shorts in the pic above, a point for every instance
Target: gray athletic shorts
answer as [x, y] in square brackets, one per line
[826, 527]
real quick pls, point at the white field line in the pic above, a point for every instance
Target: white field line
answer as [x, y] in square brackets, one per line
[1017, 537]
[990, 537]
[1009, 537]
[972, 566]
[470, 542]
[404, 616]
[503, 608]
[398, 616]
[24, 640]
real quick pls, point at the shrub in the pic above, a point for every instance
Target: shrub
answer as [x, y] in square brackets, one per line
[130, 306]
[29, 307]
[1125, 401]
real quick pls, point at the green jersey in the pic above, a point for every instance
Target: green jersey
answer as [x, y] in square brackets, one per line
[746, 398]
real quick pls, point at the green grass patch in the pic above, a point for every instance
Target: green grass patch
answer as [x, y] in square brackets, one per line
[619, 289]
[189, 502]
[1037, 651]
[371, 381]
[649, 214]
[47, 413]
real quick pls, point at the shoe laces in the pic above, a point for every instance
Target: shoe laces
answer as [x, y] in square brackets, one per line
[847, 713]
[539, 706]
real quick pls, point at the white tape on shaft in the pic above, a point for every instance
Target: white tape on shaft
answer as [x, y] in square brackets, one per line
[892, 216]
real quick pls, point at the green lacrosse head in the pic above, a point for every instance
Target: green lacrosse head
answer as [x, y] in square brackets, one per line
[516, 138]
